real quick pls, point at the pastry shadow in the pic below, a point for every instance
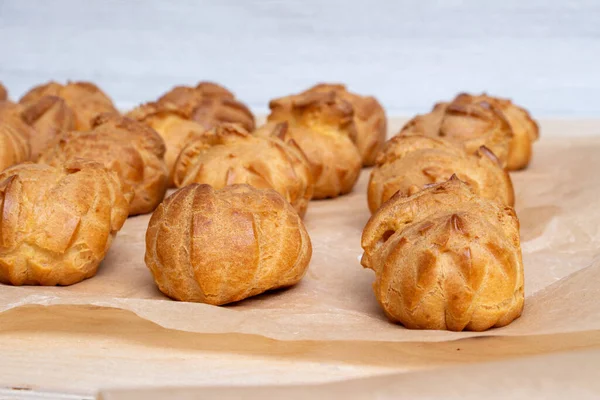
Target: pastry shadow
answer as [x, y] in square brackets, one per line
[269, 295]
[534, 220]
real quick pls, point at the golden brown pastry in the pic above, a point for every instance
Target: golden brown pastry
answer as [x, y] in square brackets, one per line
[369, 119]
[85, 100]
[8, 108]
[173, 124]
[17, 135]
[212, 111]
[408, 164]
[475, 121]
[14, 111]
[14, 140]
[467, 123]
[210, 104]
[58, 223]
[3, 93]
[49, 116]
[525, 130]
[446, 258]
[229, 155]
[182, 96]
[322, 125]
[220, 246]
[129, 148]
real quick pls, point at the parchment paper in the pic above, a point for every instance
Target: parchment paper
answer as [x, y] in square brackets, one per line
[554, 376]
[557, 201]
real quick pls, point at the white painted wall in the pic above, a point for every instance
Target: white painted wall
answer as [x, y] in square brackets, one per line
[543, 53]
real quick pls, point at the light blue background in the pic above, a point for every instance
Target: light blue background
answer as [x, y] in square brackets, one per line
[544, 54]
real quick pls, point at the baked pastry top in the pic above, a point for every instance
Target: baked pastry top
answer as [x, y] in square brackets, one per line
[475, 121]
[212, 111]
[174, 125]
[334, 162]
[220, 246]
[133, 150]
[525, 130]
[409, 164]
[324, 112]
[85, 100]
[49, 117]
[446, 258]
[3, 93]
[14, 137]
[210, 104]
[465, 123]
[369, 119]
[322, 125]
[230, 155]
[58, 223]
[182, 96]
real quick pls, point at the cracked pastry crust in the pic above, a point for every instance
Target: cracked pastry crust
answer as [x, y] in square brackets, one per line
[445, 258]
[3, 93]
[221, 246]
[322, 125]
[409, 164]
[174, 125]
[50, 116]
[212, 111]
[15, 135]
[58, 223]
[229, 155]
[525, 130]
[210, 104]
[84, 99]
[475, 121]
[369, 119]
[334, 162]
[131, 149]
[182, 96]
